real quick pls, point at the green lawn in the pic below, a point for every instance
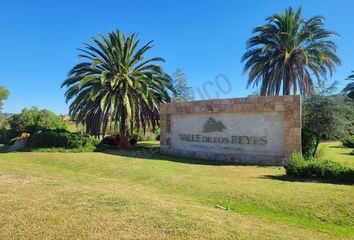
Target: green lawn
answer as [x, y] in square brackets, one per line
[142, 195]
[334, 151]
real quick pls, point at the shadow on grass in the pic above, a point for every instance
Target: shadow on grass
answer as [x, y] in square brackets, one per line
[335, 147]
[156, 156]
[152, 153]
[347, 154]
[287, 178]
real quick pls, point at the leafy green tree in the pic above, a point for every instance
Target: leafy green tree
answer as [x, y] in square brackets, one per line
[4, 94]
[325, 116]
[33, 120]
[286, 53]
[349, 88]
[117, 85]
[183, 93]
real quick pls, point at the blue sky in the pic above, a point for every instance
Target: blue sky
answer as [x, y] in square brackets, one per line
[205, 38]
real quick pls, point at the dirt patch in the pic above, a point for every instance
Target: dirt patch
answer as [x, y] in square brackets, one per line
[12, 180]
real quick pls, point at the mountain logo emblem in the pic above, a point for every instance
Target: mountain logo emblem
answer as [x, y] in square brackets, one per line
[213, 126]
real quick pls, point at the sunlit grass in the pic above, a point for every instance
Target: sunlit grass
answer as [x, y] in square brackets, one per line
[73, 127]
[140, 194]
[336, 152]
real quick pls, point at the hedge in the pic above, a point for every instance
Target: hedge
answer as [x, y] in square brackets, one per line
[318, 169]
[61, 139]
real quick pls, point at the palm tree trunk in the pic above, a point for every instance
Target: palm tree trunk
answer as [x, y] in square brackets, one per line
[138, 125]
[122, 120]
[316, 146]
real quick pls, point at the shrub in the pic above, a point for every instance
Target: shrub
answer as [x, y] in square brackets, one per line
[157, 134]
[61, 139]
[348, 141]
[314, 169]
[13, 140]
[133, 141]
[4, 135]
[145, 137]
[108, 140]
[149, 136]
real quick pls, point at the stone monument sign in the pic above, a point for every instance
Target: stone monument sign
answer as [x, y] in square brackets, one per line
[254, 130]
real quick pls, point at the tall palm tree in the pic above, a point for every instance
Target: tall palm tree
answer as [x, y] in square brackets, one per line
[287, 52]
[116, 85]
[349, 88]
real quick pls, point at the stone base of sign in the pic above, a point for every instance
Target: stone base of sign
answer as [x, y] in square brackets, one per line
[287, 107]
[231, 158]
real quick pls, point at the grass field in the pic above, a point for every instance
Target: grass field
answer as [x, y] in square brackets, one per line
[142, 195]
[333, 151]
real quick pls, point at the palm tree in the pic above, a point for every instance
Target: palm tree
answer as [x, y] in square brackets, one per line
[287, 52]
[116, 85]
[349, 88]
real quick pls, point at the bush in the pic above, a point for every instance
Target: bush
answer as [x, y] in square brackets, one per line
[133, 141]
[61, 139]
[145, 137]
[108, 140]
[13, 140]
[315, 169]
[4, 135]
[149, 136]
[348, 141]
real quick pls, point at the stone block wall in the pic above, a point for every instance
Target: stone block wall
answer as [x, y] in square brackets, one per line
[289, 106]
